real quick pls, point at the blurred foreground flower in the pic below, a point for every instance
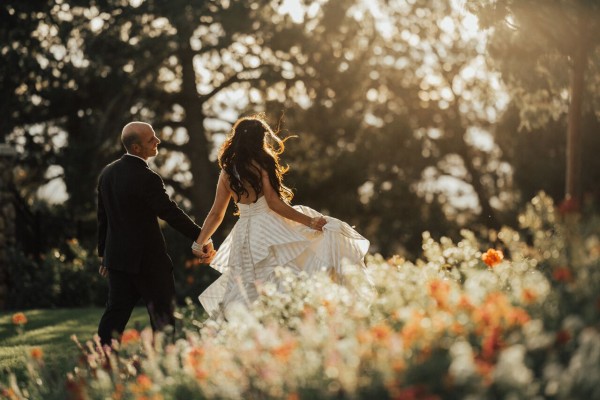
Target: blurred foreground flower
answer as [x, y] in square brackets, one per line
[37, 353]
[441, 327]
[130, 336]
[19, 319]
[492, 257]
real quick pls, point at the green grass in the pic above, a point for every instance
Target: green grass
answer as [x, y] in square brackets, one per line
[51, 330]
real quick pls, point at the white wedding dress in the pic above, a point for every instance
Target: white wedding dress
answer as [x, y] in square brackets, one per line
[262, 240]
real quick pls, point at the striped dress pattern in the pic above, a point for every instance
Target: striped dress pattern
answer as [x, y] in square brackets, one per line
[262, 240]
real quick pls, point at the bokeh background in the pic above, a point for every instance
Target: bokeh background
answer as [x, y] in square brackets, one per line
[409, 116]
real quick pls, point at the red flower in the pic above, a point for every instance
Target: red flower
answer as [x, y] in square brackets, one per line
[562, 337]
[492, 257]
[569, 205]
[562, 274]
[491, 343]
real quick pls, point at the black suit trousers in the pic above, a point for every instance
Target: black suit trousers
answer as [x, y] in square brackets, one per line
[157, 289]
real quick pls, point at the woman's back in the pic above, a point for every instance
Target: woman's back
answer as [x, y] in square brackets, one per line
[250, 195]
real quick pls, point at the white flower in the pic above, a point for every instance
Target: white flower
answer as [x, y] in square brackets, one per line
[463, 367]
[511, 370]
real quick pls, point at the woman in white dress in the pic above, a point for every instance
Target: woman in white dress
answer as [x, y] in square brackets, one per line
[269, 233]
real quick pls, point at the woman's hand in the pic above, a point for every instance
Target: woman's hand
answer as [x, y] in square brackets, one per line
[317, 223]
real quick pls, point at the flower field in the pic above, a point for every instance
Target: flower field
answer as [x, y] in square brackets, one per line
[512, 315]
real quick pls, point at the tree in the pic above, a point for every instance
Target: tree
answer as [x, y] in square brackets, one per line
[387, 107]
[548, 52]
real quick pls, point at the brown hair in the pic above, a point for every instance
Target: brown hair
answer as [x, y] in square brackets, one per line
[248, 149]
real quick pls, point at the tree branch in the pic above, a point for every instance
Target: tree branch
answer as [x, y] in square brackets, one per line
[230, 81]
[178, 187]
[170, 145]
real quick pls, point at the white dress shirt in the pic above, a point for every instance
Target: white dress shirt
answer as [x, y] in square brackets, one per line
[133, 155]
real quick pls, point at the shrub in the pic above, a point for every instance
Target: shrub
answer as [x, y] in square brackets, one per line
[65, 277]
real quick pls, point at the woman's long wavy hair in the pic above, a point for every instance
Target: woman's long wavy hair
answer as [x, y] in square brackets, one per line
[250, 145]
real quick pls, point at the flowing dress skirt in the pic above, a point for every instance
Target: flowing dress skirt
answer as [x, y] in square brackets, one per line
[262, 240]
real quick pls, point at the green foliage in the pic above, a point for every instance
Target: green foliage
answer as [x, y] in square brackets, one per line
[548, 53]
[373, 109]
[66, 277]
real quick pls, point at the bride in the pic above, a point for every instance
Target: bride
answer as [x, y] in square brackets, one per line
[269, 233]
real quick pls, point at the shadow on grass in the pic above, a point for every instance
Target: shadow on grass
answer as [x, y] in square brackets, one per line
[51, 330]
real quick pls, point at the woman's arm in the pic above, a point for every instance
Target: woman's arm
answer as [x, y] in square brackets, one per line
[285, 210]
[217, 211]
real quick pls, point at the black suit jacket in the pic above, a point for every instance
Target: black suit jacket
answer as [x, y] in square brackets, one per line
[130, 198]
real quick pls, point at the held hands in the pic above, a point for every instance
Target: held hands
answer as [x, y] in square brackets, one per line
[103, 271]
[205, 253]
[317, 223]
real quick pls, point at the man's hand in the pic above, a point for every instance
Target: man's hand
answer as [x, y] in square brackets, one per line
[103, 271]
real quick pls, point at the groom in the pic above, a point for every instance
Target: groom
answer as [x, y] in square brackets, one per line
[131, 246]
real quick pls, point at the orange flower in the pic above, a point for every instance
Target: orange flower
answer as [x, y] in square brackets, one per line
[399, 365]
[485, 369]
[439, 290]
[144, 382]
[529, 296]
[190, 280]
[9, 394]
[330, 307]
[201, 374]
[492, 257]
[395, 261]
[413, 329]
[457, 328]
[37, 353]
[464, 303]
[129, 336]
[562, 274]
[381, 332]
[19, 319]
[284, 351]
[293, 396]
[518, 316]
[194, 356]
[118, 393]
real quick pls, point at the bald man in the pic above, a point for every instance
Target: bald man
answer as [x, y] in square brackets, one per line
[131, 245]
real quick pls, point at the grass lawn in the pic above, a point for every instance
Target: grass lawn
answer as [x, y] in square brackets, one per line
[51, 330]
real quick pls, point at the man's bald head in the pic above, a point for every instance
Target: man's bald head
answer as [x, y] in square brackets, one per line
[139, 139]
[132, 134]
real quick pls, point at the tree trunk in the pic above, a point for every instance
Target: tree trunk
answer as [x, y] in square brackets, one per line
[573, 176]
[488, 214]
[197, 149]
[7, 218]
